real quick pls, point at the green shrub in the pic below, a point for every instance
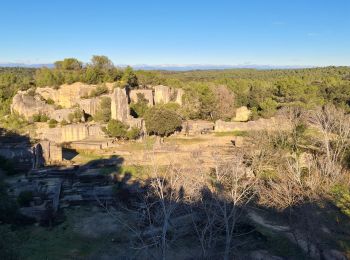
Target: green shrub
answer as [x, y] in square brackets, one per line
[40, 118]
[104, 112]
[52, 123]
[50, 101]
[162, 121]
[76, 116]
[133, 133]
[99, 90]
[117, 129]
[64, 122]
[24, 198]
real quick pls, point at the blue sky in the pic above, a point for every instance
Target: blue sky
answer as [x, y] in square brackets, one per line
[265, 32]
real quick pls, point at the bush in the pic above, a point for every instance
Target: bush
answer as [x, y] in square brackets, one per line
[162, 121]
[133, 133]
[104, 113]
[64, 122]
[139, 109]
[40, 118]
[76, 116]
[52, 123]
[24, 198]
[341, 195]
[99, 90]
[117, 129]
[50, 101]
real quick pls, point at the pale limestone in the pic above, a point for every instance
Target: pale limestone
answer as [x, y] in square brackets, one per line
[120, 109]
[148, 94]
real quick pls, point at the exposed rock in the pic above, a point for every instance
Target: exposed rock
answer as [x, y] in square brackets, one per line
[27, 105]
[242, 114]
[119, 106]
[93, 144]
[70, 133]
[197, 127]
[67, 95]
[61, 114]
[179, 93]
[52, 153]
[147, 93]
[90, 106]
[162, 94]
[135, 122]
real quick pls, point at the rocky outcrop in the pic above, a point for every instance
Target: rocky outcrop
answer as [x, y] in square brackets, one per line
[61, 114]
[162, 94]
[197, 127]
[147, 93]
[52, 153]
[70, 133]
[28, 105]
[90, 106]
[68, 95]
[242, 114]
[119, 105]
[179, 93]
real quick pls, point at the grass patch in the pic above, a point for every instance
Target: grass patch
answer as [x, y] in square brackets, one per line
[146, 144]
[136, 171]
[184, 141]
[232, 133]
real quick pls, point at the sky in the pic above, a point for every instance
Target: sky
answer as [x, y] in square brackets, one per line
[218, 32]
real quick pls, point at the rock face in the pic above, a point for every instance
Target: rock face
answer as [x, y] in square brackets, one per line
[27, 105]
[197, 126]
[242, 114]
[162, 94]
[70, 133]
[67, 95]
[119, 105]
[52, 153]
[147, 93]
[61, 114]
[179, 94]
[90, 106]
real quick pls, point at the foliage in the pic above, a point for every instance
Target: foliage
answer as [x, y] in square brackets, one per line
[116, 128]
[104, 112]
[129, 77]
[76, 116]
[69, 64]
[139, 108]
[99, 90]
[162, 121]
[341, 195]
[40, 118]
[52, 123]
[133, 133]
[64, 122]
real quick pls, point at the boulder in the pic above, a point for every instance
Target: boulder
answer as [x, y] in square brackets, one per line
[119, 105]
[27, 105]
[242, 114]
[52, 152]
[147, 93]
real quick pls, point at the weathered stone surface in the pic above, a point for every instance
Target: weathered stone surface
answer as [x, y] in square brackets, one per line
[135, 122]
[197, 126]
[93, 144]
[179, 93]
[90, 106]
[61, 114]
[21, 154]
[67, 95]
[27, 105]
[148, 94]
[70, 133]
[162, 94]
[119, 105]
[242, 114]
[52, 153]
